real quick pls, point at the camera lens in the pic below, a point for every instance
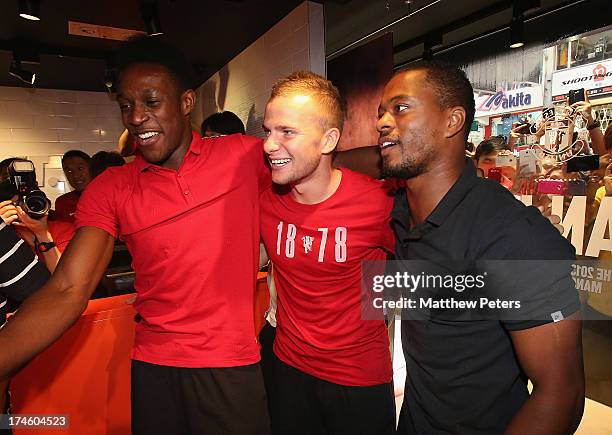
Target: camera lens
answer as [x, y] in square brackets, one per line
[36, 204]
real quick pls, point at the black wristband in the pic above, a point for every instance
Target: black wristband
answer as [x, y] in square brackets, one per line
[43, 247]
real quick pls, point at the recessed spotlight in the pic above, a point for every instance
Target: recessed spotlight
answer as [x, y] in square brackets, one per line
[516, 27]
[29, 9]
[150, 15]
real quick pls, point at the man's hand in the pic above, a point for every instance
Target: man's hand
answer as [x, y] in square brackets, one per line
[8, 212]
[543, 127]
[584, 108]
[552, 218]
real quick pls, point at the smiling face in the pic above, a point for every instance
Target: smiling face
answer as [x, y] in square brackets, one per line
[409, 121]
[77, 172]
[296, 139]
[156, 113]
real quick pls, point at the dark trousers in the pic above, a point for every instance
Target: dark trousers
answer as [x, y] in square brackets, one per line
[301, 404]
[266, 340]
[182, 401]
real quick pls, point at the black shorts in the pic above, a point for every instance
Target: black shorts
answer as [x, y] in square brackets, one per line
[301, 404]
[181, 401]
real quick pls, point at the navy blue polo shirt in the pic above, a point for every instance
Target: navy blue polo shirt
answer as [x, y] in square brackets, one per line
[463, 376]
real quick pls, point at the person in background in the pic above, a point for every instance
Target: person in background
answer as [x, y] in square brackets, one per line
[487, 151]
[222, 124]
[63, 230]
[76, 168]
[470, 375]
[103, 160]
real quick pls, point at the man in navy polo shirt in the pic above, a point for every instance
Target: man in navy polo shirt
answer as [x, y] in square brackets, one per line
[188, 210]
[470, 376]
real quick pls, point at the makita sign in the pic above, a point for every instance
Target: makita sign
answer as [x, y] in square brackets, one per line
[514, 100]
[595, 78]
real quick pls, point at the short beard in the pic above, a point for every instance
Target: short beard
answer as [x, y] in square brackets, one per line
[408, 168]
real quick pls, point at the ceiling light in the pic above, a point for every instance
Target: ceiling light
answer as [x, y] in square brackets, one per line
[150, 16]
[25, 76]
[516, 27]
[29, 9]
[516, 33]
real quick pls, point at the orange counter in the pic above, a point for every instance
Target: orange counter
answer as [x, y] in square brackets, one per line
[86, 373]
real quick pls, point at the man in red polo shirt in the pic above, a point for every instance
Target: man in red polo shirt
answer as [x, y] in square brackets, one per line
[188, 210]
[332, 372]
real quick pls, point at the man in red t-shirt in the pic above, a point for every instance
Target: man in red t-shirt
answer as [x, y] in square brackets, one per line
[332, 371]
[188, 211]
[75, 164]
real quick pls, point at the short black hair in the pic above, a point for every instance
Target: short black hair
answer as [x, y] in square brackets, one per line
[7, 162]
[223, 122]
[450, 84]
[103, 160]
[491, 145]
[156, 51]
[75, 153]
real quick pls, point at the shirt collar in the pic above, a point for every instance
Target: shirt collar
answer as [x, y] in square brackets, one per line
[464, 184]
[455, 195]
[195, 147]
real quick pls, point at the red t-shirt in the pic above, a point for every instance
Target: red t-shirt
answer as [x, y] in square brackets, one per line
[317, 251]
[66, 206]
[61, 232]
[194, 238]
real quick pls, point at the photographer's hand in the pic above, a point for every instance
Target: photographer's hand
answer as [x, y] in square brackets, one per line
[38, 227]
[36, 231]
[8, 212]
[542, 127]
[585, 109]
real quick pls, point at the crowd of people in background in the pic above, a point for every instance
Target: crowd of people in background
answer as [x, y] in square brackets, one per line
[526, 165]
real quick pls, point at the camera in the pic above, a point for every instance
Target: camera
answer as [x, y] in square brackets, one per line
[22, 182]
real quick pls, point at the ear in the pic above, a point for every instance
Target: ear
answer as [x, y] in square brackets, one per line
[188, 100]
[329, 141]
[456, 121]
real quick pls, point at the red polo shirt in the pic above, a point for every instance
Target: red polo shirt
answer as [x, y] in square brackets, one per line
[194, 239]
[65, 207]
